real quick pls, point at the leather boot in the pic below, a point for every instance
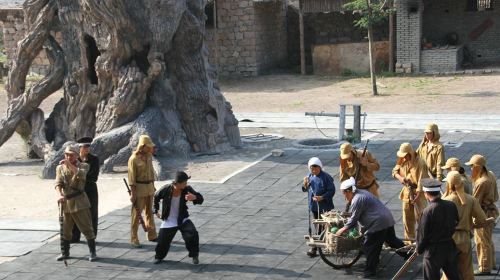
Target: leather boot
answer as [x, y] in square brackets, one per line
[93, 256]
[64, 251]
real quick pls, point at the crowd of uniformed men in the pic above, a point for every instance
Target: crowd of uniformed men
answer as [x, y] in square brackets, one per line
[446, 219]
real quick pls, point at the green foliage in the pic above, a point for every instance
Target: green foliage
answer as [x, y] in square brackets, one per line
[368, 18]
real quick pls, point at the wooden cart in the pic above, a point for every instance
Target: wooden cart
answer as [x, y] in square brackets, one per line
[337, 251]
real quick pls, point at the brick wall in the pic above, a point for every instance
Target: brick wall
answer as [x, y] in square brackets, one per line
[250, 37]
[446, 16]
[14, 30]
[408, 35]
[441, 60]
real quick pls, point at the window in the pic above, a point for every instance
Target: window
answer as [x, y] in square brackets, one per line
[209, 13]
[479, 5]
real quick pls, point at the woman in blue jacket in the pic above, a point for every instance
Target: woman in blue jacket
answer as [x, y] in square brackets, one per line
[321, 189]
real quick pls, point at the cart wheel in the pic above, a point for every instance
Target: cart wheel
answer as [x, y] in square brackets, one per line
[341, 260]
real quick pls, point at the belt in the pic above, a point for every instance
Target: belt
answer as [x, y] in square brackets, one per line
[73, 195]
[367, 186]
[144, 182]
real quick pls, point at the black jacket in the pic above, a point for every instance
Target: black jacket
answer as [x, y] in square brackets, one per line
[165, 194]
[437, 224]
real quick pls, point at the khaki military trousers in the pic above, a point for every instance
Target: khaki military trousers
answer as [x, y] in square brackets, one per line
[464, 248]
[83, 221]
[485, 248]
[144, 204]
[411, 216]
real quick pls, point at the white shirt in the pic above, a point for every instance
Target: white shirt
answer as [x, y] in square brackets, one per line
[171, 221]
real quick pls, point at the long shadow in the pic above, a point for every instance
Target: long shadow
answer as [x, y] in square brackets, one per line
[210, 248]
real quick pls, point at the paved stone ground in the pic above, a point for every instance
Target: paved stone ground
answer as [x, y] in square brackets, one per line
[251, 227]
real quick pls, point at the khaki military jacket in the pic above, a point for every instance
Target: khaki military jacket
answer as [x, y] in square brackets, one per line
[485, 191]
[415, 172]
[141, 175]
[434, 158]
[469, 214]
[72, 184]
[366, 174]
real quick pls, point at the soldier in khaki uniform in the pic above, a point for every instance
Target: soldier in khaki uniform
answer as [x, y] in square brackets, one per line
[485, 191]
[409, 171]
[432, 151]
[70, 186]
[453, 164]
[351, 160]
[469, 214]
[141, 178]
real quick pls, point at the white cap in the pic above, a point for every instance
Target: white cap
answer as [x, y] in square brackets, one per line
[349, 183]
[431, 185]
[314, 161]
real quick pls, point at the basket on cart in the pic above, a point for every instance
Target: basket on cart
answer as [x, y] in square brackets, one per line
[342, 244]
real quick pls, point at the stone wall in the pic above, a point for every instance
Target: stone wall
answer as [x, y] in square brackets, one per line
[250, 37]
[337, 59]
[14, 30]
[270, 30]
[446, 16]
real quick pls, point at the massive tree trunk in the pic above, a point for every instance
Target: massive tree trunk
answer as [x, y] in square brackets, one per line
[130, 67]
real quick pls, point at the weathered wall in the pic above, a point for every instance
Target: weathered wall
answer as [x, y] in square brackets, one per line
[326, 28]
[270, 30]
[14, 30]
[445, 16]
[336, 59]
[250, 37]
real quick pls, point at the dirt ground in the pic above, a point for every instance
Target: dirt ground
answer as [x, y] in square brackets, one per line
[24, 194]
[295, 93]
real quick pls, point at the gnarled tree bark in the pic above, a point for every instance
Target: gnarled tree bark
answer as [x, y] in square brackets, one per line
[130, 67]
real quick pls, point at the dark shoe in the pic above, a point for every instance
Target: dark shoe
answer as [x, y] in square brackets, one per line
[312, 252]
[196, 260]
[157, 261]
[369, 275]
[93, 255]
[154, 240]
[62, 257]
[64, 251]
[478, 272]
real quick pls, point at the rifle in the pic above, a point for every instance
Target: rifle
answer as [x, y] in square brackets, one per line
[411, 188]
[61, 229]
[137, 210]
[405, 266]
[357, 171]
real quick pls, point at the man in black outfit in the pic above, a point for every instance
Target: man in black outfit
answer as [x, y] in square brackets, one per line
[90, 184]
[435, 231]
[175, 216]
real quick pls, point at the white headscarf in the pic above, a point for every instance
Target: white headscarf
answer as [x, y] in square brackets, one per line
[349, 183]
[314, 161]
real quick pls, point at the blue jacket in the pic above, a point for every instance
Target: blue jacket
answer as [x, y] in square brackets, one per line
[320, 185]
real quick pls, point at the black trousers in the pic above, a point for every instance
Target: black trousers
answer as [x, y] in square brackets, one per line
[93, 195]
[189, 234]
[372, 246]
[441, 256]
